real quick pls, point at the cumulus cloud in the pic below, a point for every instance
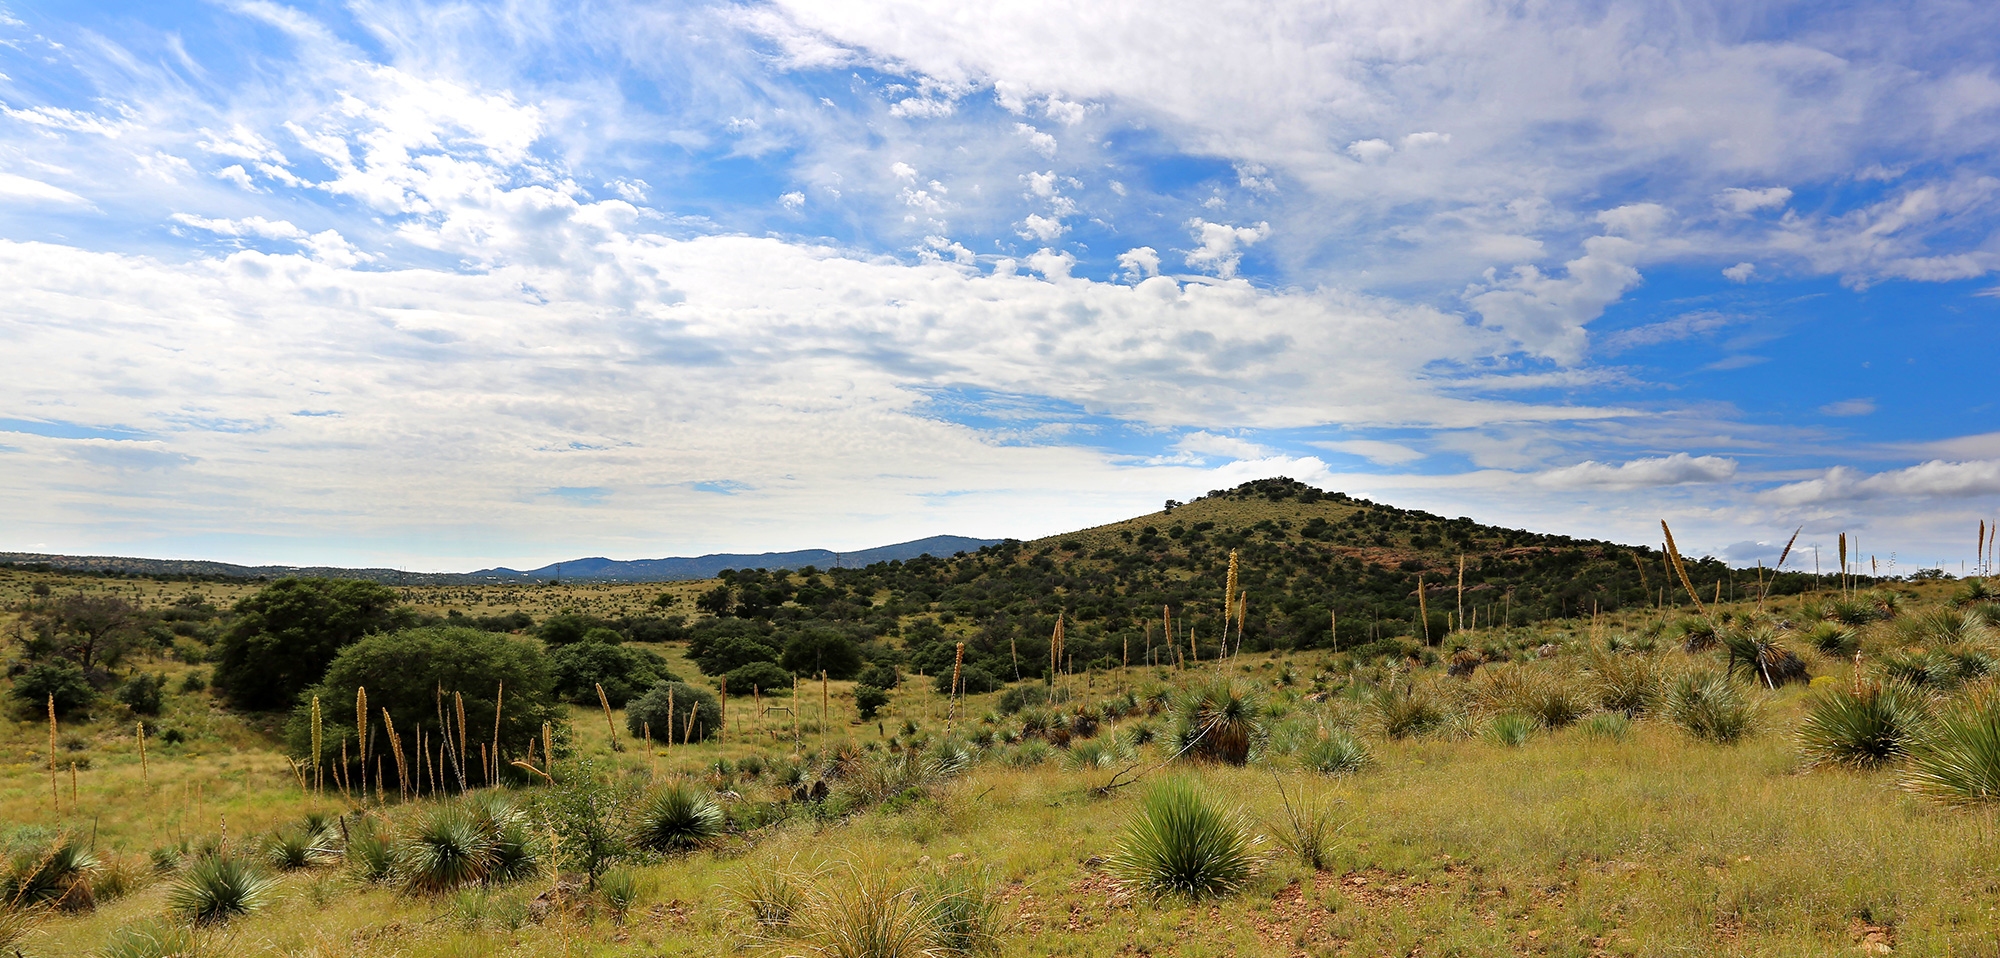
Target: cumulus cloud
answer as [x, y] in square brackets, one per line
[1547, 314]
[1740, 273]
[1934, 479]
[1044, 228]
[793, 201]
[1677, 469]
[1139, 263]
[1222, 245]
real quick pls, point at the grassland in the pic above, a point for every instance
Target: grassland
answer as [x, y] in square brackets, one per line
[1580, 841]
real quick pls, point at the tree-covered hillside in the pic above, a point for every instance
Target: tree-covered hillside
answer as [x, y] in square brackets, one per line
[1308, 562]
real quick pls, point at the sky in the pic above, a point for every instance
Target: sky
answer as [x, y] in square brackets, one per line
[440, 286]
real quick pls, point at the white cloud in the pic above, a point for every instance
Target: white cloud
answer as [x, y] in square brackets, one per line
[1044, 228]
[1221, 245]
[1063, 111]
[1202, 444]
[1677, 469]
[21, 189]
[793, 201]
[1740, 200]
[1934, 479]
[1139, 263]
[1740, 273]
[923, 108]
[1635, 219]
[1037, 140]
[1547, 314]
[1370, 150]
[1848, 407]
[1377, 451]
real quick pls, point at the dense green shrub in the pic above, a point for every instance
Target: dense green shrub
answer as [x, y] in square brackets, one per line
[822, 650]
[869, 700]
[972, 680]
[881, 675]
[625, 672]
[142, 693]
[287, 634]
[694, 715]
[766, 678]
[403, 673]
[62, 679]
[570, 628]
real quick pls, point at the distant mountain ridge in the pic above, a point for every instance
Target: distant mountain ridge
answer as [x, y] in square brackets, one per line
[670, 569]
[705, 567]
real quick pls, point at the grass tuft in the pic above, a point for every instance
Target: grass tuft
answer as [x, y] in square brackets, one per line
[1338, 752]
[1957, 760]
[1708, 706]
[678, 817]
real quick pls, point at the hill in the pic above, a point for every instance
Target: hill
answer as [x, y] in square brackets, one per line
[1308, 562]
[708, 566]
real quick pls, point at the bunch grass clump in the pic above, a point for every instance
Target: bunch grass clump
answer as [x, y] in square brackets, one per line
[445, 850]
[1607, 726]
[1625, 683]
[1338, 752]
[1709, 707]
[1181, 845]
[1511, 729]
[1406, 711]
[56, 873]
[1865, 727]
[1307, 830]
[1945, 625]
[964, 912]
[218, 887]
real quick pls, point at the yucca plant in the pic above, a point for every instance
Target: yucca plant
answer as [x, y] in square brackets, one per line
[1338, 752]
[1181, 845]
[447, 848]
[620, 889]
[369, 853]
[1832, 638]
[1852, 611]
[57, 874]
[1698, 633]
[678, 817]
[1873, 725]
[1092, 754]
[1220, 722]
[1945, 626]
[772, 897]
[294, 847]
[1975, 591]
[1760, 655]
[218, 887]
[1511, 729]
[1708, 706]
[1957, 759]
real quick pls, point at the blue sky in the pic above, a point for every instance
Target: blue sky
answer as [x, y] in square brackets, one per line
[442, 286]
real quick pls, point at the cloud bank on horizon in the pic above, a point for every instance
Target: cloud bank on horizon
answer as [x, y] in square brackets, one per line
[443, 285]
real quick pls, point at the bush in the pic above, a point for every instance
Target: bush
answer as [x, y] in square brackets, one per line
[1338, 752]
[677, 818]
[822, 650]
[1708, 706]
[1870, 727]
[672, 722]
[570, 628]
[403, 671]
[1957, 760]
[624, 672]
[767, 678]
[1943, 626]
[194, 682]
[1181, 845]
[142, 693]
[972, 680]
[62, 679]
[288, 633]
[218, 887]
[882, 676]
[869, 700]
